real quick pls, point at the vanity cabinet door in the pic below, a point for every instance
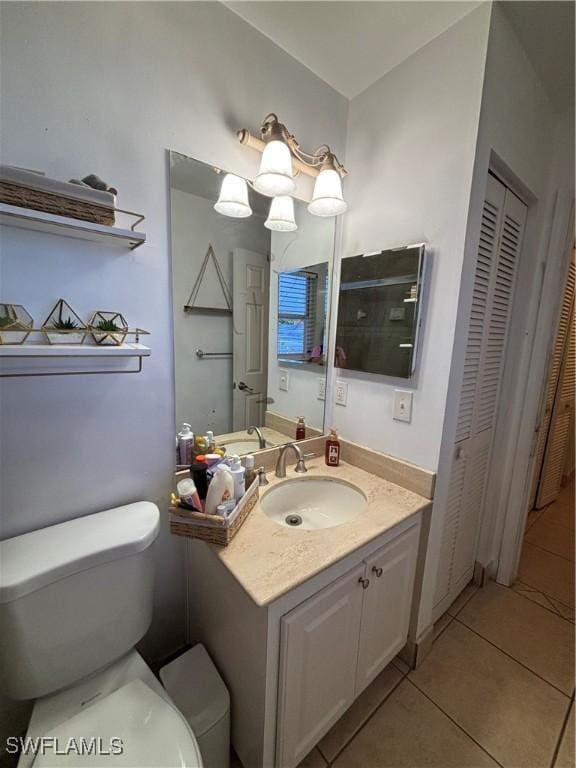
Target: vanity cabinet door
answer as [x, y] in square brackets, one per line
[387, 604]
[319, 652]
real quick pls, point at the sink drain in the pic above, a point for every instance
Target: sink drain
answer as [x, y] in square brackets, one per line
[293, 520]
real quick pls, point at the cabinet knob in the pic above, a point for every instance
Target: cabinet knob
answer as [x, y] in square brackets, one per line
[377, 571]
[365, 582]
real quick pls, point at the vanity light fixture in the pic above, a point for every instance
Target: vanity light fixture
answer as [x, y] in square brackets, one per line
[281, 215]
[282, 156]
[233, 197]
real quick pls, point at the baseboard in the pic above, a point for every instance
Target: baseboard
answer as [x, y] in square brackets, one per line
[415, 651]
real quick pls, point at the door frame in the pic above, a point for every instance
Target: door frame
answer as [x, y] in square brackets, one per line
[543, 322]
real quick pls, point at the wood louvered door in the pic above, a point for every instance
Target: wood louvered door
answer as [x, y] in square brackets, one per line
[501, 234]
[559, 434]
[548, 473]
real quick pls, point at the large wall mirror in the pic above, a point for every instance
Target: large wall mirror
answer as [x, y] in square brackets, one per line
[251, 310]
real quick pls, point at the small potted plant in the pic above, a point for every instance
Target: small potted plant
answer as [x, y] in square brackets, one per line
[108, 328]
[15, 324]
[63, 325]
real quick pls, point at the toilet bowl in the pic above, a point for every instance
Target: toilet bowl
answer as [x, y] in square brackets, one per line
[121, 716]
[75, 598]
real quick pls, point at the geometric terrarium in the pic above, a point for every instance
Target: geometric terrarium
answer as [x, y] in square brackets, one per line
[15, 324]
[63, 325]
[108, 328]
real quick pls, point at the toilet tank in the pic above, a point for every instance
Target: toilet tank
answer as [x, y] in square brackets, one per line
[74, 597]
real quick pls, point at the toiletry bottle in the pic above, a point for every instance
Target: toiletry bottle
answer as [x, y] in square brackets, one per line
[301, 428]
[211, 443]
[250, 475]
[220, 490]
[185, 444]
[332, 453]
[198, 471]
[238, 472]
[188, 494]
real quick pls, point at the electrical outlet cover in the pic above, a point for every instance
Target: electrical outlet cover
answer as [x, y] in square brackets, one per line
[321, 395]
[341, 392]
[283, 381]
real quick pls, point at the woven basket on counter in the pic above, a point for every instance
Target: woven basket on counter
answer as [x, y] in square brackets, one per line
[50, 202]
[213, 528]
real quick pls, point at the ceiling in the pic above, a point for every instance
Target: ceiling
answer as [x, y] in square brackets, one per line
[545, 29]
[351, 45]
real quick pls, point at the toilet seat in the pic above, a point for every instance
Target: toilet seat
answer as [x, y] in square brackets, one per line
[153, 734]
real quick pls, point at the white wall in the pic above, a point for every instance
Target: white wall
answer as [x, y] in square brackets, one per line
[107, 88]
[204, 387]
[522, 136]
[411, 145]
[312, 243]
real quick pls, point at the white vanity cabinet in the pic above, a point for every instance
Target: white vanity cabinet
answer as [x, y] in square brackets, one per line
[336, 642]
[295, 665]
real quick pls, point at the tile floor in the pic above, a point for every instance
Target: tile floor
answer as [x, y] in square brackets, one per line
[497, 689]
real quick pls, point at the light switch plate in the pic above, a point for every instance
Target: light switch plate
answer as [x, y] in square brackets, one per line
[284, 381]
[403, 405]
[321, 394]
[341, 393]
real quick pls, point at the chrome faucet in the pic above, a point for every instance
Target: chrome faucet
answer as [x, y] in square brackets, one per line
[281, 463]
[251, 431]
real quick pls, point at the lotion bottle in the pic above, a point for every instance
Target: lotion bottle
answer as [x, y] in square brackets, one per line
[238, 472]
[220, 490]
[185, 444]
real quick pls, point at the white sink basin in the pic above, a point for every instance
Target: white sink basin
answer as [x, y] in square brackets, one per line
[313, 502]
[241, 447]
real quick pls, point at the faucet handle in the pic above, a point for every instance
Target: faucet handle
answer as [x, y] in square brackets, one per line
[301, 466]
[262, 479]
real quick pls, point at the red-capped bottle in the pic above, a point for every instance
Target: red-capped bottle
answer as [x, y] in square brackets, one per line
[332, 452]
[301, 429]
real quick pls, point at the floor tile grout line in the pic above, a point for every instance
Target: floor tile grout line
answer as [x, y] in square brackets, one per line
[404, 675]
[562, 732]
[474, 593]
[535, 520]
[550, 551]
[509, 655]
[551, 609]
[457, 724]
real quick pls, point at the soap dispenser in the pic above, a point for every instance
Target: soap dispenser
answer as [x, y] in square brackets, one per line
[301, 429]
[332, 452]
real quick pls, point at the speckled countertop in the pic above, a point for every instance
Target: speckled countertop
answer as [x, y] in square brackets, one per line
[269, 560]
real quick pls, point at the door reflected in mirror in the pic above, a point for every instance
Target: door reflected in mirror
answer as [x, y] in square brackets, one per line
[250, 315]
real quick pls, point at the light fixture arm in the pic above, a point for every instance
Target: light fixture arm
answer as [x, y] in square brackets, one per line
[310, 164]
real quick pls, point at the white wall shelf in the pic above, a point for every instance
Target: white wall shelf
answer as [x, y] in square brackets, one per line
[26, 218]
[63, 359]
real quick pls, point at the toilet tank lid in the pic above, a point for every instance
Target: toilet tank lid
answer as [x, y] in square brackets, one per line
[36, 559]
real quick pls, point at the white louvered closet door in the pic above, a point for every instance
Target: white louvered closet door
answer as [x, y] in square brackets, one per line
[541, 491]
[502, 229]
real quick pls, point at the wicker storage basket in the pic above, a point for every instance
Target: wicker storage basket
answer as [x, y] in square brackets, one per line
[29, 190]
[213, 528]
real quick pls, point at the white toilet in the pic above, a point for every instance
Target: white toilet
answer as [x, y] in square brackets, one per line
[74, 600]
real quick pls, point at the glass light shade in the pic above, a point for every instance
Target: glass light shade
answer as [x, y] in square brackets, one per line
[233, 198]
[327, 199]
[281, 215]
[275, 174]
